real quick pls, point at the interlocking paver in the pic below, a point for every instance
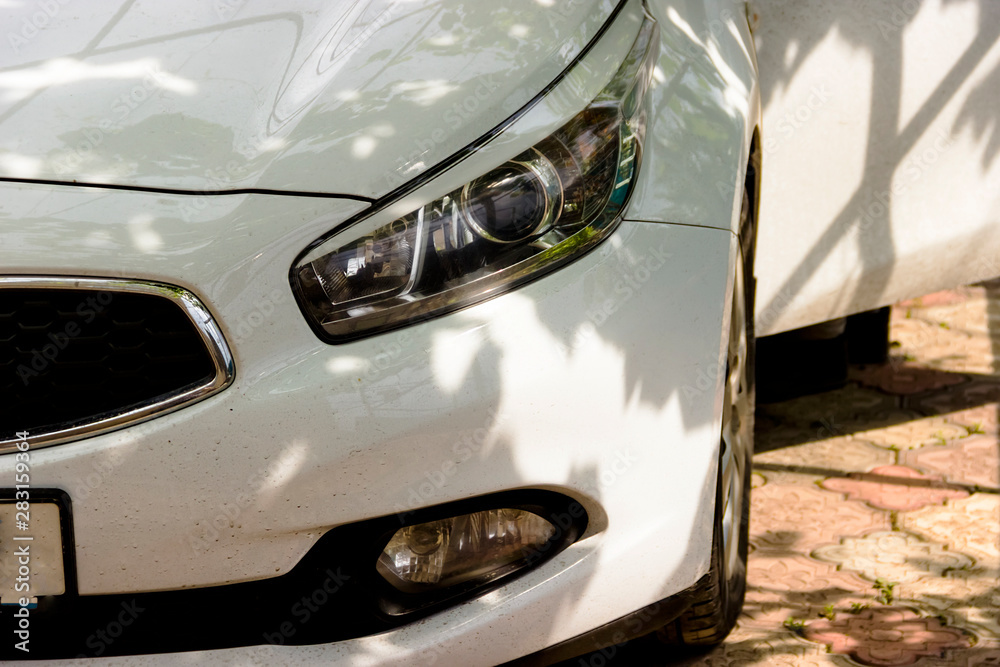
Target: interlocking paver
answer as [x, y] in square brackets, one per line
[827, 415]
[965, 342]
[988, 656]
[970, 525]
[970, 597]
[914, 434]
[893, 477]
[800, 516]
[972, 460]
[767, 650]
[797, 584]
[886, 637]
[932, 422]
[928, 301]
[840, 454]
[905, 378]
[978, 391]
[893, 555]
[982, 418]
[892, 495]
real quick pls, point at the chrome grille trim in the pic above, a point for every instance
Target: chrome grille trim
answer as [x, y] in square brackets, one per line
[200, 317]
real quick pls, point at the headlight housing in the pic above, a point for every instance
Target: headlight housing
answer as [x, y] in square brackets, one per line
[529, 215]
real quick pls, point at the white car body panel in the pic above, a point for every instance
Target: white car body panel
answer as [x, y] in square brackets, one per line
[449, 377]
[880, 172]
[304, 97]
[311, 436]
[706, 108]
[536, 358]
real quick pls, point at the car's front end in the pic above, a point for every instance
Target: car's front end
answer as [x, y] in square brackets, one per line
[414, 430]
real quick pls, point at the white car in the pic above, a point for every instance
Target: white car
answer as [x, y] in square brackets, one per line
[376, 332]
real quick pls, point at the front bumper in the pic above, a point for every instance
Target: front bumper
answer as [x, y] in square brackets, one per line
[241, 486]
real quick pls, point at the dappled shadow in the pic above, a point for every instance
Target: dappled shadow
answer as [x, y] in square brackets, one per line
[818, 555]
[891, 128]
[982, 116]
[403, 101]
[522, 351]
[553, 392]
[821, 416]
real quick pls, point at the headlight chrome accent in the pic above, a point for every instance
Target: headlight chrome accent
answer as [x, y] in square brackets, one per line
[529, 171]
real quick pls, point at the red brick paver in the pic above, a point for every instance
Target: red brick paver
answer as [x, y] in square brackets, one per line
[893, 495]
[905, 378]
[886, 637]
[974, 460]
[909, 498]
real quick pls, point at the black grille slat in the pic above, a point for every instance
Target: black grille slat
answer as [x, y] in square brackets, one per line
[71, 356]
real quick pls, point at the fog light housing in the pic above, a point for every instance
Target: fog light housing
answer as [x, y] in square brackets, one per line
[469, 548]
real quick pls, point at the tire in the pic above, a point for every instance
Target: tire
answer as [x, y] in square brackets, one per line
[718, 598]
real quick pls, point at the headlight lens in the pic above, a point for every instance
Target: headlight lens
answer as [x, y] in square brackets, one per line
[546, 206]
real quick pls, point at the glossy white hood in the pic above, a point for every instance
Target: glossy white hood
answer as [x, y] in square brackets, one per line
[348, 97]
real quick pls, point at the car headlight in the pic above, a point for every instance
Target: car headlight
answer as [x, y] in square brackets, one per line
[529, 215]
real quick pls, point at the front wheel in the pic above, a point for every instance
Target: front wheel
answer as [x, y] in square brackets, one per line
[719, 597]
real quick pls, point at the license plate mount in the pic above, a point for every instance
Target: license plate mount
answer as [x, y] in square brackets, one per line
[35, 555]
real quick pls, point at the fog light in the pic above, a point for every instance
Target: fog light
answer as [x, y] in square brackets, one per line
[480, 546]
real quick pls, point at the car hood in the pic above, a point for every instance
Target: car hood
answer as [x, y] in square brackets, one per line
[347, 98]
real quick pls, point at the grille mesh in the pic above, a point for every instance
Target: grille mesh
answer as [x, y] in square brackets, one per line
[68, 356]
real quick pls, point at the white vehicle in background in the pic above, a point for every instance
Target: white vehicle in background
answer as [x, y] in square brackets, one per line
[405, 332]
[881, 178]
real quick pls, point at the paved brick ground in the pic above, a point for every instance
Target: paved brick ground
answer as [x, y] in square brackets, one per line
[875, 531]
[876, 517]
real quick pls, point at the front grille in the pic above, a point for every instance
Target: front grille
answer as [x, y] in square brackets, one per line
[75, 360]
